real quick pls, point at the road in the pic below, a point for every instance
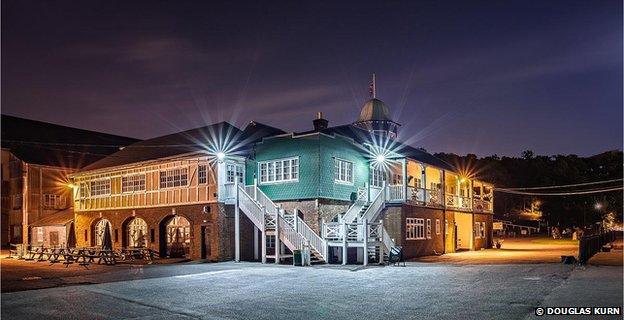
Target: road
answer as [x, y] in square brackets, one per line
[255, 291]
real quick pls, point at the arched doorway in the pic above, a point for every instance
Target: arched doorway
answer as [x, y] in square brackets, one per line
[98, 229]
[135, 234]
[175, 237]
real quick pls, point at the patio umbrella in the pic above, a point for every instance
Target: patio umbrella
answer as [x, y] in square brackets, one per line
[71, 237]
[107, 241]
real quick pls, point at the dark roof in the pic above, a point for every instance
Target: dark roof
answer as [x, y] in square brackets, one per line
[43, 143]
[221, 136]
[364, 136]
[60, 218]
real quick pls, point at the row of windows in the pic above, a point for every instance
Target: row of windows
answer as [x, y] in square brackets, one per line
[283, 170]
[133, 183]
[415, 228]
[53, 201]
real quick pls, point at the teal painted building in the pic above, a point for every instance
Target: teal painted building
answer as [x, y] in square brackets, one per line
[321, 159]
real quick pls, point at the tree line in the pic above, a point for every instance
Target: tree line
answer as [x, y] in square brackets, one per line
[531, 170]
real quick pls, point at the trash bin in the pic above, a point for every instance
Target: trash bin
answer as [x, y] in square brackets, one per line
[297, 258]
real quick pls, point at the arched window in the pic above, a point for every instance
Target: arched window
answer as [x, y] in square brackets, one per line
[99, 229]
[137, 233]
[178, 236]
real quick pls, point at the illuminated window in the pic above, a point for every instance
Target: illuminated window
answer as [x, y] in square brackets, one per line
[414, 229]
[53, 201]
[202, 173]
[343, 171]
[277, 171]
[100, 187]
[137, 233]
[83, 190]
[437, 226]
[100, 228]
[377, 176]
[428, 228]
[174, 178]
[133, 183]
[234, 170]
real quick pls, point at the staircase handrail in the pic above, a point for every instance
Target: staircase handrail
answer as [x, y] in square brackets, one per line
[266, 202]
[317, 243]
[376, 206]
[250, 207]
[385, 237]
[352, 213]
[294, 240]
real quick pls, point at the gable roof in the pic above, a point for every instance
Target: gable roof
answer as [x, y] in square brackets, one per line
[44, 143]
[221, 136]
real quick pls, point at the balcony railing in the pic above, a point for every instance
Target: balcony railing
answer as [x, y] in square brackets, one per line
[481, 205]
[426, 197]
[395, 193]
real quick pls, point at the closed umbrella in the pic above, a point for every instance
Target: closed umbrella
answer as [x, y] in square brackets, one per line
[71, 237]
[107, 241]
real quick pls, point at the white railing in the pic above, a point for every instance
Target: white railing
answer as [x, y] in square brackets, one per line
[356, 207]
[251, 191]
[292, 239]
[269, 221]
[264, 201]
[456, 201]
[416, 194]
[251, 208]
[395, 192]
[290, 218]
[387, 241]
[375, 232]
[316, 242]
[375, 207]
[332, 231]
[482, 205]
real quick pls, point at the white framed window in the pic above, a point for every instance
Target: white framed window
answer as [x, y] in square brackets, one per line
[174, 178]
[53, 201]
[100, 187]
[278, 171]
[377, 176]
[83, 190]
[133, 183]
[414, 229]
[428, 228]
[343, 171]
[437, 226]
[202, 173]
[234, 170]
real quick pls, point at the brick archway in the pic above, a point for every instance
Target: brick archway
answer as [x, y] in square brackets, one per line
[175, 232]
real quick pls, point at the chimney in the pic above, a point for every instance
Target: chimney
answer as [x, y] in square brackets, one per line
[320, 123]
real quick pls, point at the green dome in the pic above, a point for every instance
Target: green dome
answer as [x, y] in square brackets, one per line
[374, 110]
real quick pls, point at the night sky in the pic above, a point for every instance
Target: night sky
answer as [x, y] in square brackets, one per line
[490, 77]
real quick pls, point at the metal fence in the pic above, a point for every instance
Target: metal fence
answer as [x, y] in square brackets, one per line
[590, 245]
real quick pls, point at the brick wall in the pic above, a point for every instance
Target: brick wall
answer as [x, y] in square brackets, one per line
[394, 222]
[218, 224]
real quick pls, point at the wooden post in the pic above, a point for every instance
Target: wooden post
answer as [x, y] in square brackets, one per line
[255, 189]
[404, 182]
[236, 225]
[255, 242]
[382, 244]
[296, 225]
[263, 240]
[344, 242]
[365, 222]
[424, 182]
[278, 246]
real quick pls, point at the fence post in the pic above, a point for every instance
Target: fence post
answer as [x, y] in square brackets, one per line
[344, 242]
[365, 258]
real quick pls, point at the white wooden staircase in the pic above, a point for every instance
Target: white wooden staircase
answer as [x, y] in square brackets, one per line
[271, 220]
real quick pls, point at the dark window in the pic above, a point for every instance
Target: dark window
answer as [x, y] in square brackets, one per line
[152, 235]
[86, 235]
[116, 235]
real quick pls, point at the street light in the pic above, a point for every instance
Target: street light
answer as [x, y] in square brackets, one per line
[220, 156]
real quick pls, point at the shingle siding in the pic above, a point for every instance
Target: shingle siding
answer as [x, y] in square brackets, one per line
[316, 167]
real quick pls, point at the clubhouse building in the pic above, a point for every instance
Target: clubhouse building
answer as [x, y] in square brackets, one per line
[348, 193]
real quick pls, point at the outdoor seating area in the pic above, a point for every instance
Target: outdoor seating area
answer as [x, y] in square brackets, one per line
[80, 256]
